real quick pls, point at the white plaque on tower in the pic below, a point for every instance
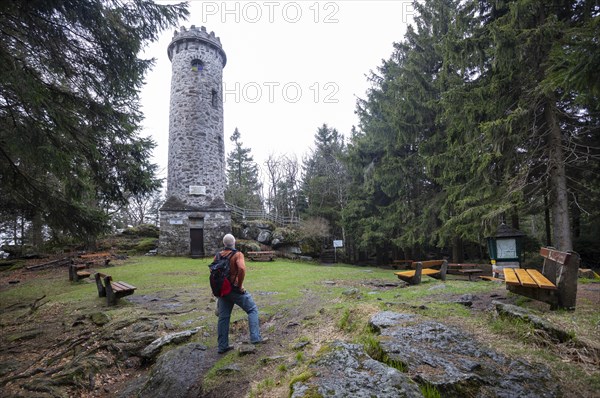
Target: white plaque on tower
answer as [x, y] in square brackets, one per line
[197, 190]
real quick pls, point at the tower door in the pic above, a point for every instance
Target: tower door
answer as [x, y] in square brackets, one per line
[197, 242]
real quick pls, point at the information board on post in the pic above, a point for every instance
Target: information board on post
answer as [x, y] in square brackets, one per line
[336, 244]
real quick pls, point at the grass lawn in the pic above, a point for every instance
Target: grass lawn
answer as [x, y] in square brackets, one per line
[298, 301]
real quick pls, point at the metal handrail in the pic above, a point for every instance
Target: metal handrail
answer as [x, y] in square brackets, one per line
[257, 214]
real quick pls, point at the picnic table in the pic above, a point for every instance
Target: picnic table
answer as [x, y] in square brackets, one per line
[471, 270]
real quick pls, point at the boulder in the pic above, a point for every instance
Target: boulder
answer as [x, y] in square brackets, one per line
[345, 370]
[264, 237]
[99, 318]
[455, 363]
[284, 237]
[175, 374]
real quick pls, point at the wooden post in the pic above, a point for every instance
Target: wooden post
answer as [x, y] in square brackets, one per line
[567, 282]
[111, 297]
[444, 269]
[416, 279]
[99, 285]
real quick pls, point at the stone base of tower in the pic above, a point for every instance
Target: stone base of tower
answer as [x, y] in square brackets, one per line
[193, 232]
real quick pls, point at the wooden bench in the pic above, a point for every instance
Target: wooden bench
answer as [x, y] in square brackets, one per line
[555, 285]
[465, 269]
[92, 258]
[413, 277]
[112, 290]
[261, 256]
[76, 272]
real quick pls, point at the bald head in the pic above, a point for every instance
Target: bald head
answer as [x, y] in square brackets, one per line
[229, 241]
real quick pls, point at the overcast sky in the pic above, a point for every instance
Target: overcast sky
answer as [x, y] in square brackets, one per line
[291, 66]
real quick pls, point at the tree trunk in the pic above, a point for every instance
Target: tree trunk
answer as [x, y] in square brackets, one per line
[514, 220]
[37, 239]
[547, 221]
[558, 181]
[457, 250]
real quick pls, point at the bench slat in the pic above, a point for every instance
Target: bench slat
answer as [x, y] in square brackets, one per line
[524, 278]
[127, 285]
[470, 271]
[540, 279]
[510, 277]
[430, 271]
[455, 265]
[432, 263]
[555, 255]
[424, 271]
[121, 286]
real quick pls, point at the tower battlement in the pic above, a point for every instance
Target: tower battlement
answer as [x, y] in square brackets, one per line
[194, 33]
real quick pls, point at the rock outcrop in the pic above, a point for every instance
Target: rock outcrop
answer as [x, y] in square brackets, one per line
[345, 370]
[431, 355]
[455, 363]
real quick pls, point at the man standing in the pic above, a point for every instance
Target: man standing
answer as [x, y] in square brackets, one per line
[237, 296]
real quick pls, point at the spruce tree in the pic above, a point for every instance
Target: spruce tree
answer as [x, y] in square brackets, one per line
[527, 121]
[324, 178]
[402, 130]
[243, 179]
[69, 108]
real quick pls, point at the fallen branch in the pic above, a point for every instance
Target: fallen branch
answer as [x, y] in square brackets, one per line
[61, 354]
[33, 307]
[37, 304]
[53, 263]
[22, 375]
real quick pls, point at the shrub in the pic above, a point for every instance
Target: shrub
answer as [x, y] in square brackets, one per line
[146, 244]
[148, 230]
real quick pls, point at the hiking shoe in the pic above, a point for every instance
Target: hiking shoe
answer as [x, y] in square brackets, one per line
[263, 341]
[226, 350]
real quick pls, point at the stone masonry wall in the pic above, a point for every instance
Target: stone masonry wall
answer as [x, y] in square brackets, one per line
[196, 168]
[196, 147]
[175, 228]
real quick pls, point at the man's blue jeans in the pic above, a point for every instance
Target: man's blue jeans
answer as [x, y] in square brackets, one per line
[245, 302]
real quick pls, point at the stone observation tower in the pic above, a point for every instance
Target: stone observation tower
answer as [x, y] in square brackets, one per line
[194, 219]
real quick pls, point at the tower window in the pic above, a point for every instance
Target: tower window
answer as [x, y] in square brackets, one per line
[197, 65]
[214, 98]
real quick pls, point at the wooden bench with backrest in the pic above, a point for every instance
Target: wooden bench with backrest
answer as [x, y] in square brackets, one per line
[261, 256]
[112, 290]
[555, 285]
[413, 277]
[92, 258]
[77, 272]
[470, 270]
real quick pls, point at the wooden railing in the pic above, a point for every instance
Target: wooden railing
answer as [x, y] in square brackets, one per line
[249, 214]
